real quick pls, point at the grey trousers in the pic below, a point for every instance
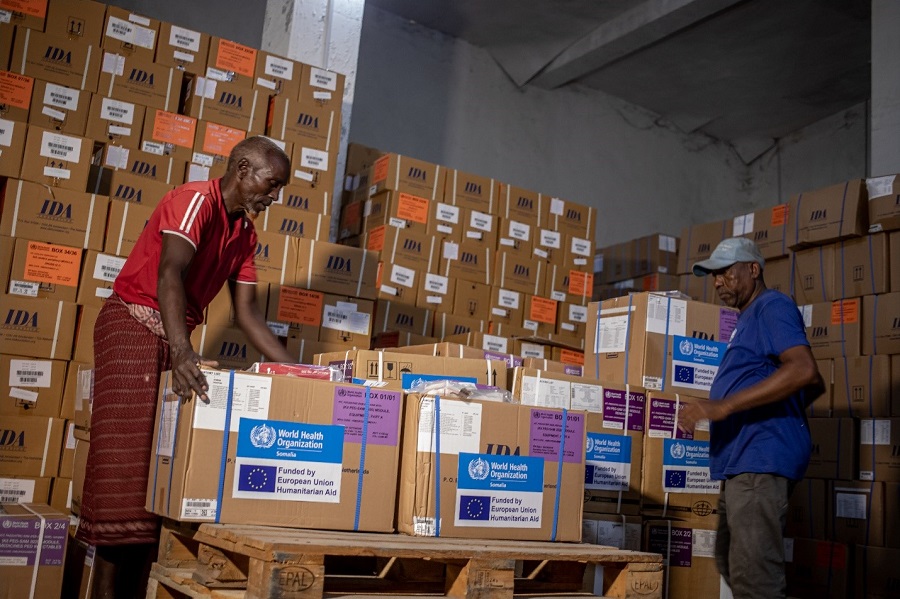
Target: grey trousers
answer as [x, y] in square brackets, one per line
[750, 539]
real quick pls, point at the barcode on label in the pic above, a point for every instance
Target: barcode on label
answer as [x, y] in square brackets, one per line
[27, 379]
[12, 495]
[198, 503]
[29, 372]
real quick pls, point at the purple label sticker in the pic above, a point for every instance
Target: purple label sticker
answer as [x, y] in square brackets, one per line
[614, 408]
[727, 323]
[662, 419]
[679, 544]
[546, 428]
[511, 360]
[573, 370]
[345, 366]
[19, 541]
[384, 414]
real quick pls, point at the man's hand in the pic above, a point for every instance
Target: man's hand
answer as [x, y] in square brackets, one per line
[690, 414]
[186, 375]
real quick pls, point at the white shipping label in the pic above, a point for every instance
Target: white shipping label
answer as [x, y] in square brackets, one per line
[53, 114]
[742, 225]
[266, 83]
[202, 159]
[5, 16]
[60, 147]
[500, 312]
[113, 63]
[350, 321]
[185, 39]
[667, 243]
[494, 343]
[30, 373]
[130, 33]
[250, 398]
[403, 276]
[474, 235]
[436, 283]
[532, 350]
[666, 315]
[197, 172]
[481, 221]
[424, 526]
[550, 239]
[279, 329]
[434, 299]
[543, 392]
[851, 505]
[168, 416]
[447, 213]
[117, 111]
[612, 335]
[107, 267]
[389, 290]
[531, 325]
[279, 67]
[567, 326]
[154, 147]
[460, 427]
[556, 206]
[304, 176]
[6, 132]
[218, 74]
[580, 247]
[875, 432]
[451, 250]
[57, 173]
[61, 97]
[116, 157]
[542, 253]
[104, 293]
[351, 306]
[397, 222]
[70, 436]
[17, 490]
[140, 20]
[183, 56]
[205, 87]
[807, 313]
[879, 187]
[612, 534]
[120, 131]
[23, 394]
[195, 508]
[578, 313]
[323, 96]
[519, 231]
[508, 299]
[26, 288]
[323, 79]
[703, 543]
[312, 158]
[587, 397]
[580, 261]
[559, 296]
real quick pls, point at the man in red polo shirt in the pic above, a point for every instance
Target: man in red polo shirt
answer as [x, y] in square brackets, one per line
[199, 237]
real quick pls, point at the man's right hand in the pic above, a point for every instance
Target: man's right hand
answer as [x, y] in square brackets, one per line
[186, 374]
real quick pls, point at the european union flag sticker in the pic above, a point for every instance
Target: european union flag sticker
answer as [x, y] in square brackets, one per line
[260, 479]
[676, 479]
[474, 507]
[684, 374]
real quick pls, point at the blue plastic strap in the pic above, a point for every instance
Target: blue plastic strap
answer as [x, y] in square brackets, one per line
[875, 328]
[871, 400]
[437, 466]
[362, 458]
[225, 435]
[559, 469]
[843, 204]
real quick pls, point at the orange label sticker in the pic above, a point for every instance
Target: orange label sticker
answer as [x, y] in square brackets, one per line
[410, 207]
[581, 283]
[32, 8]
[220, 140]
[779, 215]
[831, 555]
[175, 129]
[15, 90]
[55, 264]
[570, 356]
[543, 310]
[650, 283]
[380, 170]
[300, 306]
[375, 241]
[846, 311]
[236, 57]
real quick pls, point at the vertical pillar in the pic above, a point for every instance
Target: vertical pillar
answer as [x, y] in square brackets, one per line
[323, 33]
[885, 112]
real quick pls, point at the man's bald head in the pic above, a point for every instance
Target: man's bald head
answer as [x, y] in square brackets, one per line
[254, 149]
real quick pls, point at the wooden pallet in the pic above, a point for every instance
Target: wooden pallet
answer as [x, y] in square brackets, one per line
[214, 561]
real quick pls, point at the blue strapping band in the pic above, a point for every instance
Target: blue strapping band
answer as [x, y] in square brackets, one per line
[225, 435]
[362, 458]
[875, 328]
[843, 204]
[559, 469]
[665, 349]
[871, 400]
[437, 466]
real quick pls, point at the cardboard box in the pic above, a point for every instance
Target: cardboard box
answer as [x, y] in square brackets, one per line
[394, 339]
[397, 316]
[287, 221]
[45, 270]
[212, 145]
[862, 387]
[227, 345]
[522, 274]
[61, 495]
[347, 320]
[828, 214]
[115, 121]
[34, 557]
[813, 275]
[436, 291]
[337, 269]
[299, 461]
[12, 147]
[67, 455]
[881, 335]
[305, 349]
[69, 389]
[305, 199]
[502, 478]
[40, 328]
[125, 223]
[305, 124]
[894, 243]
[443, 221]
[32, 447]
[57, 59]
[823, 405]
[225, 103]
[158, 167]
[24, 489]
[457, 350]
[55, 215]
[182, 48]
[81, 20]
[56, 159]
[127, 187]
[277, 257]
[676, 483]
[31, 387]
[323, 88]
[688, 551]
[549, 245]
[875, 574]
[816, 569]
[516, 236]
[220, 310]
[397, 209]
[578, 253]
[467, 262]
[615, 262]
[137, 79]
[700, 289]
[407, 175]
[479, 228]
[541, 315]
[83, 384]
[32, 15]
[231, 61]
[572, 360]
[59, 108]
[80, 466]
[878, 442]
[767, 227]
[130, 35]
[654, 254]
[568, 285]
[504, 305]
[807, 510]
[777, 274]
[277, 75]
[834, 448]
[83, 350]
[861, 266]
[658, 342]
[884, 203]
[97, 278]
[834, 329]
[699, 241]
[470, 192]
[447, 325]
[619, 531]
[407, 248]
[570, 218]
[856, 512]
[523, 205]
[168, 134]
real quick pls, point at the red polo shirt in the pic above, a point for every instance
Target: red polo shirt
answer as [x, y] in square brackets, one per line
[224, 249]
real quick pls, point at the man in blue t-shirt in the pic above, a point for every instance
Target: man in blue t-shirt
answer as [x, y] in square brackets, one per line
[759, 438]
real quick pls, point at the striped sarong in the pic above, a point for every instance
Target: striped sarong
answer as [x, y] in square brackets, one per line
[128, 359]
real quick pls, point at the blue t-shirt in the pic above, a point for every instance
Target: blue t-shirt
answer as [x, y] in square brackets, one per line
[774, 438]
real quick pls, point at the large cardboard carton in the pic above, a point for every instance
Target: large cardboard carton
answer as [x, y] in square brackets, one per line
[347, 320]
[12, 147]
[70, 389]
[861, 266]
[305, 124]
[490, 470]
[80, 467]
[212, 145]
[807, 510]
[277, 257]
[813, 274]
[397, 316]
[182, 48]
[306, 199]
[67, 455]
[834, 448]
[287, 221]
[524, 274]
[81, 20]
[157, 166]
[97, 278]
[278, 76]
[51, 215]
[231, 61]
[295, 452]
[698, 242]
[168, 134]
[767, 227]
[612, 530]
[83, 350]
[337, 269]
[884, 203]
[470, 192]
[313, 168]
[36, 327]
[228, 345]
[817, 569]
[447, 325]
[688, 551]
[128, 187]
[24, 489]
[397, 209]
[125, 223]
[657, 341]
[407, 175]
[57, 160]
[777, 275]
[614, 263]
[31, 387]
[823, 405]
[33, 549]
[856, 512]
[61, 496]
[32, 15]
[519, 204]
[115, 121]
[835, 329]
[45, 270]
[828, 214]
[325, 89]
[516, 236]
[59, 108]
[32, 446]
[468, 262]
[876, 574]
[881, 335]
[443, 221]
[141, 81]
[58, 59]
[653, 254]
[225, 103]
[879, 439]
[675, 482]
[549, 245]
[479, 228]
[570, 218]
[129, 34]
[863, 387]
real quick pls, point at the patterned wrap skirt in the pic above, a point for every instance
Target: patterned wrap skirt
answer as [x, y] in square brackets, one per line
[128, 360]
